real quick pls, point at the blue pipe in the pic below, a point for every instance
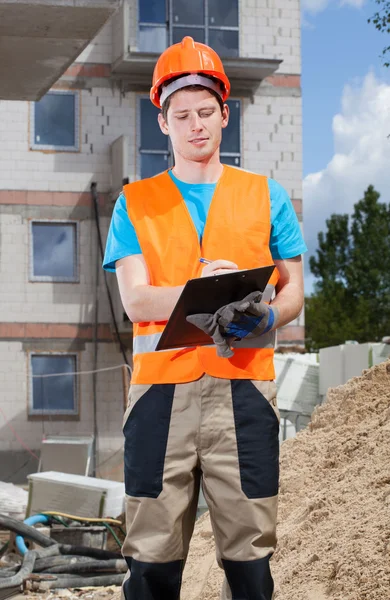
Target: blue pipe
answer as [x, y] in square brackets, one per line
[19, 540]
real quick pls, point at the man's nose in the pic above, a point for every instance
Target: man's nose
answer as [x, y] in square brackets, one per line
[196, 122]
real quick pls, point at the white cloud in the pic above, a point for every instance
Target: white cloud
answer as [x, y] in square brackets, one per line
[362, 157]
[354, 3]
[312, 7]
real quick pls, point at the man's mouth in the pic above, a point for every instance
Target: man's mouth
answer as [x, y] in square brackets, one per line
[199, 140]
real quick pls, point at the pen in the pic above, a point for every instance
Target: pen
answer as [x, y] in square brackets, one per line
[205, 261]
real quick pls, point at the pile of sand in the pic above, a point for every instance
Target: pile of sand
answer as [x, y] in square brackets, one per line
[334, 513]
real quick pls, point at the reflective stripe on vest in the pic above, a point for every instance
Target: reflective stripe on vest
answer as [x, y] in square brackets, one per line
[148, 343]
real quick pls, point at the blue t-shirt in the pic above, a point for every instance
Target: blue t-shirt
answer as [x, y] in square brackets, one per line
[286, 239]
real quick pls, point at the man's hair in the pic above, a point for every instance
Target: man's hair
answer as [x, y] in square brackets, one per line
[191, 88]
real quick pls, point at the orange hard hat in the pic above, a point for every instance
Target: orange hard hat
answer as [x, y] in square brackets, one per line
[189, 58]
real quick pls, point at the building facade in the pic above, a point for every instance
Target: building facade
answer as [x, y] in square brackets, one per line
[96, 128]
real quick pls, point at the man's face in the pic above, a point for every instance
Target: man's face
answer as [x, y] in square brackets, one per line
[194, 124]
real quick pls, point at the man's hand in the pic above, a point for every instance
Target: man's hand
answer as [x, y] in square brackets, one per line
[246, 318]
[219, 267]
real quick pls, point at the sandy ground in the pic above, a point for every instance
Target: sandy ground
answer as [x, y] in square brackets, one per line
[334, 512]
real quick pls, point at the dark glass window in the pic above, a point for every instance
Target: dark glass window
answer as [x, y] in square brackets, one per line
[165, 22]
[223, 13]
[152, 38]
[224, 42]
[152, 137]
[235, 161]
[55, 395]
[154, 149]
[151, 164]
[56, 121]
[153, 35]
[152, 25]
[190, 13]
[180, 32]
[152, 11]
[231, 136]
[54, 251]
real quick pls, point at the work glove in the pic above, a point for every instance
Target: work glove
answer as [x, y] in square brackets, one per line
[247, 318]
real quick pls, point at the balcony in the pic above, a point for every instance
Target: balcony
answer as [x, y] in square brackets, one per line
[39, 39]
[135, 70]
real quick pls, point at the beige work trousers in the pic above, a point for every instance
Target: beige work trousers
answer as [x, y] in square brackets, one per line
[223, 435]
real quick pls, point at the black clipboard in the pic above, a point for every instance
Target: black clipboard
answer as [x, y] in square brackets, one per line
[207, 295]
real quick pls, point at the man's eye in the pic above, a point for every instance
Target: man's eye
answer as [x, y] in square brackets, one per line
[206, 114]
[182, 117]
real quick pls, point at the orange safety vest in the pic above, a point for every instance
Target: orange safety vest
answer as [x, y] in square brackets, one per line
[237, 228]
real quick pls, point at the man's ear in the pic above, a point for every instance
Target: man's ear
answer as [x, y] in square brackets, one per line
[163, 124]
[225, 116]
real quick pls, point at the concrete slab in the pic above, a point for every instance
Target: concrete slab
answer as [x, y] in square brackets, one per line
[39, 39]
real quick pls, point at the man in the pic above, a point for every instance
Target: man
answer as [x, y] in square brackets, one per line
[194, 415]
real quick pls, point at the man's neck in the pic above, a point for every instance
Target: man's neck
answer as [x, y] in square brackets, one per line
[197, 172]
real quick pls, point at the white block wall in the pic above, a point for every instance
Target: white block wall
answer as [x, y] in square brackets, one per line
[271, 29]
[99, 50]
[15, 394]
[105, 115]
[37, 302]
[272, 139]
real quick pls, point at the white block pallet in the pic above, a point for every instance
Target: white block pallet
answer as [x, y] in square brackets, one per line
[74, 494]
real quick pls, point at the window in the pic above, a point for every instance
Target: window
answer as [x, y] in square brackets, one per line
[212, 22]
[152, 26]
[231, 136]
[154, 152]
[54, 255]
[55, 122]
[56, 395]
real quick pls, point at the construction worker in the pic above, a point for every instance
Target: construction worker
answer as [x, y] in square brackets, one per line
[193, 416]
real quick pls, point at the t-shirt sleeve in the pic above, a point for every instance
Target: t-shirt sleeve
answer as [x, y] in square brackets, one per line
[286, 239]
[121, 239]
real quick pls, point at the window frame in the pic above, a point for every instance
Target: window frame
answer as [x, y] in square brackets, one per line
[170, 26]
[140, 150]
[56, 413]
[52, 147]
[49, 278]
[235, 154]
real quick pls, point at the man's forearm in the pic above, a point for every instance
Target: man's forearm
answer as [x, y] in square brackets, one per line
[151, 303]
[289, 303]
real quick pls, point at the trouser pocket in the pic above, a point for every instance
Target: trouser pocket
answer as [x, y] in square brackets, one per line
[257, 433]
[146, 429]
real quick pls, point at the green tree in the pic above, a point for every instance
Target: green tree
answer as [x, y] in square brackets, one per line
[352, 267]
[381, 21]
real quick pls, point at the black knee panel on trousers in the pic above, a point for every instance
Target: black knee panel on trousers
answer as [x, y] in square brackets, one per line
[249, 580]
[153, 581]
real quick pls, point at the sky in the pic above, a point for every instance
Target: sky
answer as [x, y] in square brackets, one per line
[346, 112]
